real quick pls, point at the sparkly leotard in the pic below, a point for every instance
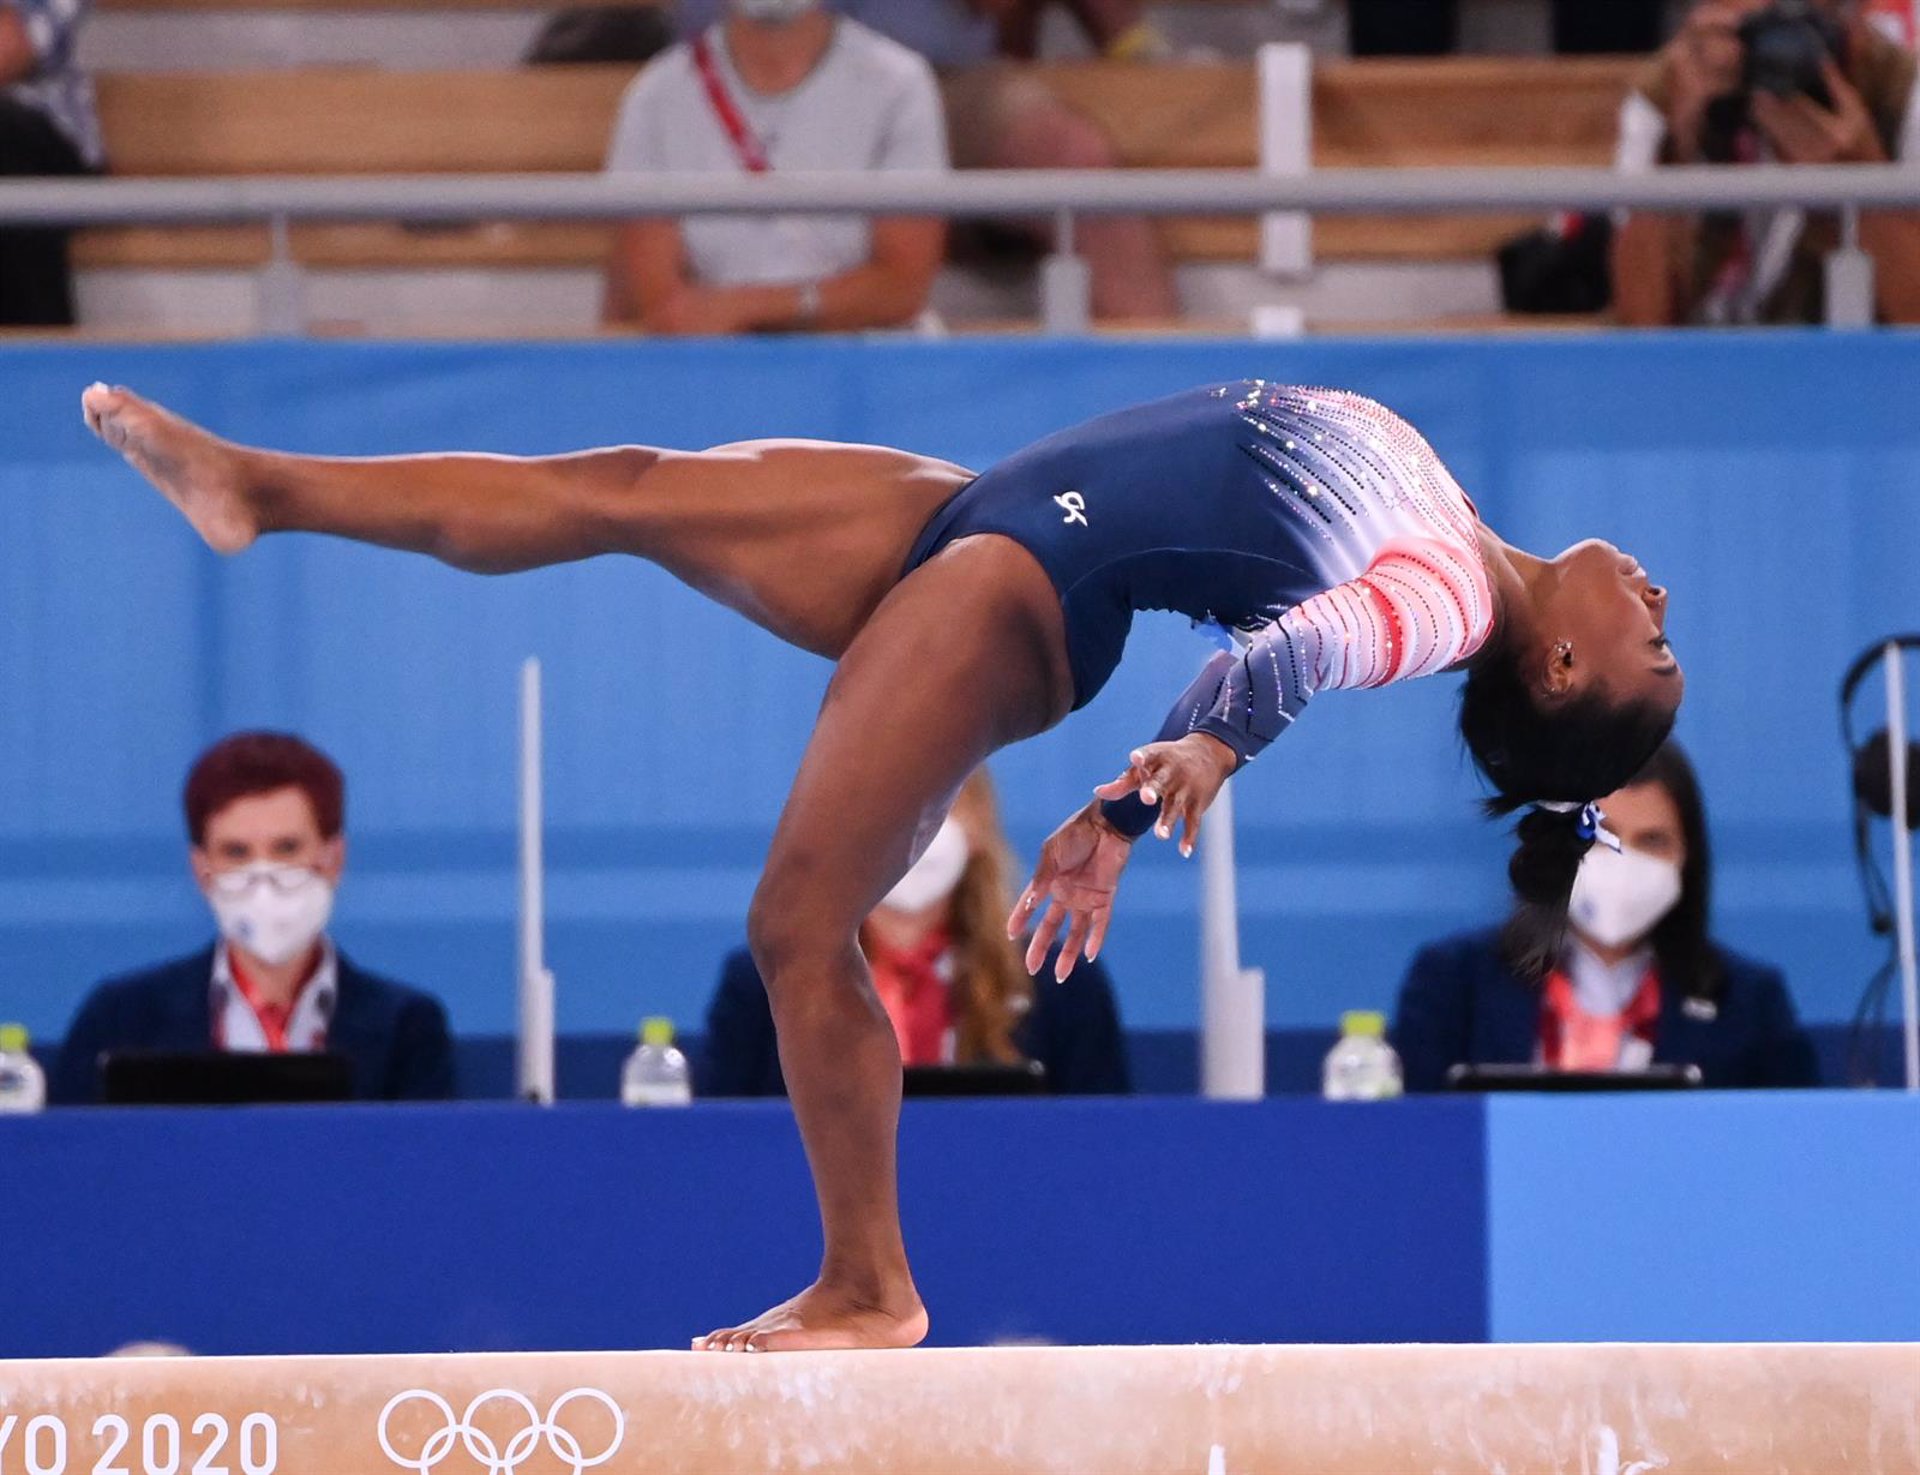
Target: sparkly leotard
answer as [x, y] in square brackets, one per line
[1316, 527]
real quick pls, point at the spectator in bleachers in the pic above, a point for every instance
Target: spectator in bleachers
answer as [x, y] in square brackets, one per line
[47, 127]
[1004, 116]
[265, 816]
[1691, 106]
[1431, 27]
[1118, 30]
[783, 86]
[949, 978]
[1636, 980]
[601, 35]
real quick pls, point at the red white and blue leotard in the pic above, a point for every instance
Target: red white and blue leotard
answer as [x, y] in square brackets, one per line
[1314, 526]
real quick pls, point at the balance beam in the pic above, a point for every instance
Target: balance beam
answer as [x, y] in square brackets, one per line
[1775, 1409]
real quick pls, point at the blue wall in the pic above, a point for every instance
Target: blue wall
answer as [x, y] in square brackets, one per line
[1772, 481]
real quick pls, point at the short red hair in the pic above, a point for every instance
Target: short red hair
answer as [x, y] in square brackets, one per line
[249, 763]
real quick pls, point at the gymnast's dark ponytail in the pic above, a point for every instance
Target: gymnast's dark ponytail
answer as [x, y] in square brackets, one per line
[1542, 870]
[1569, 753]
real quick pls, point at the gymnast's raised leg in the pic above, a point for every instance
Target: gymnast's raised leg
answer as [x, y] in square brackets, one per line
[802, 537]
[936, 671]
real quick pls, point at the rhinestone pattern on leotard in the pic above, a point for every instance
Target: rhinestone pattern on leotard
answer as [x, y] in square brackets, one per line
[1398, 540]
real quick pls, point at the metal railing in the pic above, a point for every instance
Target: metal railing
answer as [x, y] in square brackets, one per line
[1061, 195]
[441, 197]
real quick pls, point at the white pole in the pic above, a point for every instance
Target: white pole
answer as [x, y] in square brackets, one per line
[1233, 1025]
[1285, 75]
[1902, 859]
[534, 1078]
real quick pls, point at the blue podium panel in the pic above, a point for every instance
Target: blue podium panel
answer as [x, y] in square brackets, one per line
[497, 1226]
[1766, 1217]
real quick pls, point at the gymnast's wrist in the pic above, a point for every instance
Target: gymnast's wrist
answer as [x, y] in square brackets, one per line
[1216, 744]
[1127, 818]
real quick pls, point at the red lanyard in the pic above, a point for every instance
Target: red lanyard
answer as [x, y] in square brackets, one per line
[1568, 1031]
[746, 143]
[273, 1019]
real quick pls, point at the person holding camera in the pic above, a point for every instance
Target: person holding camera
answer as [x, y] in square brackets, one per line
[1765, 81]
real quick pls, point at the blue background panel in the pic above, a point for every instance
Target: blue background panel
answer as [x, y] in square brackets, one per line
[1763, 477]
[1762, 1216]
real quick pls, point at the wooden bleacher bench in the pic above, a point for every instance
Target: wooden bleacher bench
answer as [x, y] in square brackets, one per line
[335, 121]
[150, 7]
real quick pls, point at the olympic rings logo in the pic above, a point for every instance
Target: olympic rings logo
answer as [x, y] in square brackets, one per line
[482, 1445]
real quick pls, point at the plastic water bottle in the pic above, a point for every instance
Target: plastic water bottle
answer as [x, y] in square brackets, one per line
[656, 1073]
[1362, 1067]
[23, 1085]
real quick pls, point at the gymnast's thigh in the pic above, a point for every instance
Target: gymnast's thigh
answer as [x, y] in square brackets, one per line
[964, 656]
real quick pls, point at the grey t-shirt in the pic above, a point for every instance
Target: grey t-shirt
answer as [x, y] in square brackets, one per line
[868, 104]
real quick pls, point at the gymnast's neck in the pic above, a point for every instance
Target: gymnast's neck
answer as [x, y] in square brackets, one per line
[1519, 581]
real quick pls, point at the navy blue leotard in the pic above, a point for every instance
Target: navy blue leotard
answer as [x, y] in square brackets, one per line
[1314, 526]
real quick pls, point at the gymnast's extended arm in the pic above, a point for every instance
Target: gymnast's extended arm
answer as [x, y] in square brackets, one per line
[1411, 613]
[1418, 608]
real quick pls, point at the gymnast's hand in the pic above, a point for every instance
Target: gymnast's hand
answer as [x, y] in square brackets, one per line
[1079, 870]
[1183, 778]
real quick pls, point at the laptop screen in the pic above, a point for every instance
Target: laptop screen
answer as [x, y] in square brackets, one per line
[220, 1078]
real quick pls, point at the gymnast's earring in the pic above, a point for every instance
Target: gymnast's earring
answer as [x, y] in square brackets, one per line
[1560, 668]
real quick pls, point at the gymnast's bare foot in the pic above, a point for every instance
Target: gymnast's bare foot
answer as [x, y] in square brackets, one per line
[197, 472]
[823, 1318]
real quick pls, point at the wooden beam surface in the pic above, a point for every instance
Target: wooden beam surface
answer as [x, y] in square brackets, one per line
[1216, 1410]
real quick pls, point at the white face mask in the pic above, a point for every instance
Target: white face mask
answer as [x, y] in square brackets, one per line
[773, 12]
[274, 912]
[935, 874]
[1619, 897]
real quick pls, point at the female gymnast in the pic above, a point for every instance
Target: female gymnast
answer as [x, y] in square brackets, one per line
[967, 612]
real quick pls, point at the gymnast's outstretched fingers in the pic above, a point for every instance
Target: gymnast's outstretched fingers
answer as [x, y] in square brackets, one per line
[1073, 886]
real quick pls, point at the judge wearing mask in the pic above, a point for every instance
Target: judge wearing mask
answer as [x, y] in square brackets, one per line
[265, 817]
[951, 982]
[1635, 980]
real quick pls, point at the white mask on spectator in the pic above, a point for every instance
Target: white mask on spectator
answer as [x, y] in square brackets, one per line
[773, 12]
[935, 874]
[1620, 896]
[274, 912]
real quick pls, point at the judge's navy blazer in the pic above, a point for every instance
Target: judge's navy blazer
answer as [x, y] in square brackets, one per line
[394, 1038]
[1461, 1002]
[1073, 1030]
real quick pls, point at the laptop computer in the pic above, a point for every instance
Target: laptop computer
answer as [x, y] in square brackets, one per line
[1023, 1078]
[1539, 1078]
[220, 1078]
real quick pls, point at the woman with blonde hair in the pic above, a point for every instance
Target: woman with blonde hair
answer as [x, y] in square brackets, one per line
[952, 982]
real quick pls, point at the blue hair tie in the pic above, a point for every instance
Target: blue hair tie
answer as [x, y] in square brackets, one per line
[1593, 824]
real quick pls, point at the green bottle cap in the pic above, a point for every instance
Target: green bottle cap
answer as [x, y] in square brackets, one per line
[1365, 1023]
[13, 1038]
[656, 1031]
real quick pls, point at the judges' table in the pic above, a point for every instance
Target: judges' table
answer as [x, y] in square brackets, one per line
[477, 1227]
